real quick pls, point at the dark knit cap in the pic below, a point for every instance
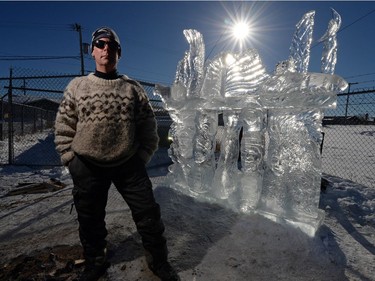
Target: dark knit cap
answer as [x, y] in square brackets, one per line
[106, 32]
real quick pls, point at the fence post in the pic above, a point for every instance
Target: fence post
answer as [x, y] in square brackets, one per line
[22, 119]
[347, 98]
[2, 120]
[41, 119]
[10, 120]
[35, 119]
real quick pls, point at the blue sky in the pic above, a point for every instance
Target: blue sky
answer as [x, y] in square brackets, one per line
[152, 37]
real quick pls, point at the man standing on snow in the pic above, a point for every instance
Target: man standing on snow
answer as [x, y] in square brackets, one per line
[106, 132]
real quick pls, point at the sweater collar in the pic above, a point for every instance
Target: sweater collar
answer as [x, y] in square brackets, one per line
[108, 76]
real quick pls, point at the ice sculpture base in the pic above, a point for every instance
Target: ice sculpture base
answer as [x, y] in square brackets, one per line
[309, 226]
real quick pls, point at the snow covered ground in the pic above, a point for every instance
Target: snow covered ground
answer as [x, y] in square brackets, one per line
[349, 153]
[206, 242]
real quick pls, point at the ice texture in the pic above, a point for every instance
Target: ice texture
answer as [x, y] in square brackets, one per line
[329, 56]
[190, 68]
[267, 160]
[301, 42]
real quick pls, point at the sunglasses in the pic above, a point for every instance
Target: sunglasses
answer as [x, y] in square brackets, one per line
[101, 44]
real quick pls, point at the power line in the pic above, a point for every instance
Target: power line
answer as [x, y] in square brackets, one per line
[33, 25]
[349, 25]
[366, 82]
[345, 27]
[360, 75]
[12, 58]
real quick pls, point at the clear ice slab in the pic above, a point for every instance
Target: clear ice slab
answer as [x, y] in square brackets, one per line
[269, 159]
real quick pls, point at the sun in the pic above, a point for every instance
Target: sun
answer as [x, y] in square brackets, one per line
[241, 30]
[243, 25]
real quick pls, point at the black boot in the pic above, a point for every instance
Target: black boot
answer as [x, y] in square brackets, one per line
[165, 272]
[151, 227]
[94, 269]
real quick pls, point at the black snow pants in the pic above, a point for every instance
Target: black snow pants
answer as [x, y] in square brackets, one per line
[90, 194]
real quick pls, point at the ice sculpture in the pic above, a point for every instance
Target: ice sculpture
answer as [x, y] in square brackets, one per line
[272, 123]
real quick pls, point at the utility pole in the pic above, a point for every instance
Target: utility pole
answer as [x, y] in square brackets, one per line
[78, 28]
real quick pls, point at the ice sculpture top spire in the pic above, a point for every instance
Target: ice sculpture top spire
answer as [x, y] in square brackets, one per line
[329, 56]
[301, 43]
[190, 68]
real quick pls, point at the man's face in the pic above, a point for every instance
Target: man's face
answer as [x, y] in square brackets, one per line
[105, 52]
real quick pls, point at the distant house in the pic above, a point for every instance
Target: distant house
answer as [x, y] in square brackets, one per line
[29, 109]
[44, 103]
[350, 120]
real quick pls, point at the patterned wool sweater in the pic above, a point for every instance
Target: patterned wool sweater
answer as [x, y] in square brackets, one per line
[105, 121]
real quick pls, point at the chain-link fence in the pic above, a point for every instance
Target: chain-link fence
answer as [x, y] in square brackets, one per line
[28, 107]
[26, 127]
[349, 138]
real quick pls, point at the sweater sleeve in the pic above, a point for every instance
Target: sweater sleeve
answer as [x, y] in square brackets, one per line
[65, 126]
[146, 131]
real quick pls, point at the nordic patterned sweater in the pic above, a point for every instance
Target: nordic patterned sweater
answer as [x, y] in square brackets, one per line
[105, 121]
